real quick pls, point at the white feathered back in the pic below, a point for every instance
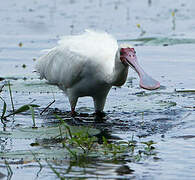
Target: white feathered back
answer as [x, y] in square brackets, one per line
[91, 44]
[64, 64]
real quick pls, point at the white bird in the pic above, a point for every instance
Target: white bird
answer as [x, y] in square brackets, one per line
[89, 65]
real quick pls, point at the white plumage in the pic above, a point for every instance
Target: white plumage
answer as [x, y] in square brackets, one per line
[84, 65]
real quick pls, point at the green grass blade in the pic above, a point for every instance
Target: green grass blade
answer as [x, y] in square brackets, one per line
[67, 127]
[22, 109]
[4, 108]
[40, 165]
[11, 97]
[31, 108]
[9, 170]
[71, 152]
[57, 173]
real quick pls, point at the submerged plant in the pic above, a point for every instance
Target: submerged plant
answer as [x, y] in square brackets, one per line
[9, 170]
[55, 171]
[132, 144]
[149, 148]
[38, 161]
[83, 141]
[80, 139]
[112, 148]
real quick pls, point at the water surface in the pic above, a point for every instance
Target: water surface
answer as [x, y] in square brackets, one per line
[166, 51]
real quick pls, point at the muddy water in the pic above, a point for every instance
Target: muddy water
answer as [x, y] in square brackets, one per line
[166, 51]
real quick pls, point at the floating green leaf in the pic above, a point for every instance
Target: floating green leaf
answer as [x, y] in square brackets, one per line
[46, 132]
[22, 109]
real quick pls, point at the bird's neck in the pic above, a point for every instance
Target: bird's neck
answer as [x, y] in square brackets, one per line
[119, 74]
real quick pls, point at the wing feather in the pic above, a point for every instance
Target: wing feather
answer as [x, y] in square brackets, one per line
[64, 64]
[61, 67]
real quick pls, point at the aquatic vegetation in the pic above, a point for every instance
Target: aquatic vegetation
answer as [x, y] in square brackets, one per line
[9, 170]
[82, 146]
[149, 148]
[82, 139]
[4, 109]
[109, 151]
[73, 142]
[10, 93]
[165, 116]
[24, 65]
[31, 108]
[173, 20]
[47, 107]
[185, 90]
[56, 172]
[167, 104]
[159, 41]
[17, 111]
[76, 142]
[23, 108]
[20, 44]
[143, 32]
[113, 149]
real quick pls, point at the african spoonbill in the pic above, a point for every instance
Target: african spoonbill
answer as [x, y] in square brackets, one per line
[89, 65]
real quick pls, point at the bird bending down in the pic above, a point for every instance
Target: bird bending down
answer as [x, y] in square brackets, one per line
[89, 65]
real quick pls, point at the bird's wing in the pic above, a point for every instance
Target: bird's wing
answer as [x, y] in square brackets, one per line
[61, 66]
[65, 63]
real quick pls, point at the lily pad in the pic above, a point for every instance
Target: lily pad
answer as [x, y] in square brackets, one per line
[45, 132]
[28, 155]
[41, 135]
[165, 41]
[166, 104]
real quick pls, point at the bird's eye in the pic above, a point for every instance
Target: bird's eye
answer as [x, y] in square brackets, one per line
[122, 51]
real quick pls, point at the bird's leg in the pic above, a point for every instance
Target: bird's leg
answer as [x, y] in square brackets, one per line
[73, 102]
[99, 103]
[73, 113]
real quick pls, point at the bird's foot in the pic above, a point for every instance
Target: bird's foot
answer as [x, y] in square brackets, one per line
[73, 113]
[99, 116]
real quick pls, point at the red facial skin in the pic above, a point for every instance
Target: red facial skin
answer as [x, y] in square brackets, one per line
[125, 52]
[128, 58]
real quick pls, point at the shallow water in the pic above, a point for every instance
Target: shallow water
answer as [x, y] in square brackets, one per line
[164, 116]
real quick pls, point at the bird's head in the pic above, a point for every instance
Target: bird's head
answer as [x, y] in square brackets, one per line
[128, 58]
